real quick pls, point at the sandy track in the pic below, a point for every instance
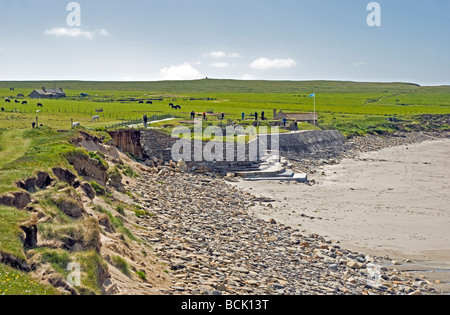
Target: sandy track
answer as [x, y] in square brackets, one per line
[393, 202]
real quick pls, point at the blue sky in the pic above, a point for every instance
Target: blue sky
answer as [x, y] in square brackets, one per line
[246, 39]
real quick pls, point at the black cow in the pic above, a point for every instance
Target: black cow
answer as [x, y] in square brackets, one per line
[24, 102]
[149, 102]
[177, 107]
[16, 101]
[7, 101]
[141, 102]
[3, 109]
[40, 105]
[171, 105]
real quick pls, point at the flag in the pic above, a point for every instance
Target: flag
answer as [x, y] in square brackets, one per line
[313, 95]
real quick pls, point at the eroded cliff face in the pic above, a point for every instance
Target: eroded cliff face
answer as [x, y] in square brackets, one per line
[129, 141]
[68, 217]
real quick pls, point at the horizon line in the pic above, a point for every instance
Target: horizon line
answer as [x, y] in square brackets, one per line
[240, 80]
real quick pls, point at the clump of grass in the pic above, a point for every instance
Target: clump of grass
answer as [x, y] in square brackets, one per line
[120, 210]
[94, 271]
[141, 275]
[128, 171]
[100, 209]
[99, 157]
[121, 264]
[58, 259]
[99, 190]
[140, 213]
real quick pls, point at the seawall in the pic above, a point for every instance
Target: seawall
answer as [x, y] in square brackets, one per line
[144, 144]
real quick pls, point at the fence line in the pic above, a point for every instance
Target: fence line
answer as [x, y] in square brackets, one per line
[140, 121]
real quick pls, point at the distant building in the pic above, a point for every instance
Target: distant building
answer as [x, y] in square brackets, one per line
[298, 117]
[47, 93]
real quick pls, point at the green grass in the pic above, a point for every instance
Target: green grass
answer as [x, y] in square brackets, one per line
[10, 243]
[93, 269]
[99, 189]
[12, 146]
[59, 259]
[38, 150]
[121, 264]
[13, 282]
[141, 275]
[228, 96]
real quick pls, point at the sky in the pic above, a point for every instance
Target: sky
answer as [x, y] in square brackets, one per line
[148, 40]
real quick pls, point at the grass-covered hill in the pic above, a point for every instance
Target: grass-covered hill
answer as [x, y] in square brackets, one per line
[351, 107]
[63, 204]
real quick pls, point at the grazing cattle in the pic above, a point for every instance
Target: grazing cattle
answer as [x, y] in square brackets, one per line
[99, 110]
[95, 118]
[141, 102]
[177, 107]
[24, 102]
[3, 109]
[40, 105]
[171, 105]
[75, 124]
[7, 101]
[16, 101]
[149, 102]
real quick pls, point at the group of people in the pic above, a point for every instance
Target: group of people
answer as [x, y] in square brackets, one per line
[256, 116]
[193, 114]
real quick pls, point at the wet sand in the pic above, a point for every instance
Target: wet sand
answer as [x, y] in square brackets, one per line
[394, 202]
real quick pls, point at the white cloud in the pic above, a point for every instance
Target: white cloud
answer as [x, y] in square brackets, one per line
[221, 54]
[359, 63]
[181, 72]
[265, 64]
[75, 32]
[234, 55]
[220, 65]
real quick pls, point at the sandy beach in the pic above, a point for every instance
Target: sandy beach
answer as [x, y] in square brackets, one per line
[394, 202]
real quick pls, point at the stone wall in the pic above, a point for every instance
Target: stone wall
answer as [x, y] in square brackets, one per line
[304, 143]
[145, 144]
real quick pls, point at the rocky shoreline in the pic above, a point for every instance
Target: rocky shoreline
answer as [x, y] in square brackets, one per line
[201, 229]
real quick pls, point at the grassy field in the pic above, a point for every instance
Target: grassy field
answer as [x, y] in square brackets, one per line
[336, 102]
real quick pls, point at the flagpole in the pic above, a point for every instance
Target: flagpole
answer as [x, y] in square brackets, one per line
[315, 123]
